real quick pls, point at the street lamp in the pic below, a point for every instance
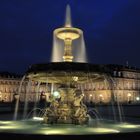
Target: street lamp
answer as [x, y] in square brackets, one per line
[137, 98]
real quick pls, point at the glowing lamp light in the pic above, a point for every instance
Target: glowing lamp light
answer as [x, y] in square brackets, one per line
[90, 95]
[56, 94]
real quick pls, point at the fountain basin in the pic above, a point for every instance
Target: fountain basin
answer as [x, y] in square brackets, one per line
[57, 72]
[34, 129]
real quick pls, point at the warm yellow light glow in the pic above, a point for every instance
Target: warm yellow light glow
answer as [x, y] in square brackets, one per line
[90, 95]
[49, 132]
[76, 131]
[67, 58]
[129, 95]
[65, 35]
[129, 126]
[9, 127]
[75, 78]
[70, 32]
[104, 130]
[6, 122]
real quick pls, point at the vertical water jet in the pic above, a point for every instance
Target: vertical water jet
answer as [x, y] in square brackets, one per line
[68, 22]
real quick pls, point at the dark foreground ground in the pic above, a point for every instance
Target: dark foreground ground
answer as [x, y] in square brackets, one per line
[120, 136]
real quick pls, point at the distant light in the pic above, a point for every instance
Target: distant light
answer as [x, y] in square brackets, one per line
[75, 78]
[129, 95]
[137, 98]
[101, 95]
[90, 95]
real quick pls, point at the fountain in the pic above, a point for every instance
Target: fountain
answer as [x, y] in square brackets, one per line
[66, 114]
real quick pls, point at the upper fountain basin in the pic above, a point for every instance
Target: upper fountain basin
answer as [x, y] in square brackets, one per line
[68, 33]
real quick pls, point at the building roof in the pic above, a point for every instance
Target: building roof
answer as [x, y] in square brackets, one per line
[5, 74]
[123, 68]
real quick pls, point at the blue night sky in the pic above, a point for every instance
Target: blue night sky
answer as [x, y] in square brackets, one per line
[111, 30]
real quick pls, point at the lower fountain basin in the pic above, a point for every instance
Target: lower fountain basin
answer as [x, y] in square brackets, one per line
[35, 126]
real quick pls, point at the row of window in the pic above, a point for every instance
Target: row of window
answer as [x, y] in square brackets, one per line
[9, 82]
[126, 74]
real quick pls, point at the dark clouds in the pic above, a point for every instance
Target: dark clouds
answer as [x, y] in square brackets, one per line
[111, 29]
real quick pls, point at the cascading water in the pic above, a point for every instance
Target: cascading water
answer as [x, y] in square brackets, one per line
[26, 99]
[79, 50]
[18, 99]
[36, 98]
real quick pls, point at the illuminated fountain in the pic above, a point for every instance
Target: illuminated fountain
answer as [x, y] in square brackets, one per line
[69, 108]
[67, 112]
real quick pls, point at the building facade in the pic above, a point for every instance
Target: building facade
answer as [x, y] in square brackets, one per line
[123, 87]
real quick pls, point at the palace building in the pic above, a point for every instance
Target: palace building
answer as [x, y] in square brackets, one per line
[126, 86]
[125, 81]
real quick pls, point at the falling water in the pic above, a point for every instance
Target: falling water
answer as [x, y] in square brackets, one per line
[79, 49]
[57, 49]
[118, 103]
[120, 111]
[108, 81]
[52, 88]
[26, 100]
[17, 101]
[111, 83]
[36, 98]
